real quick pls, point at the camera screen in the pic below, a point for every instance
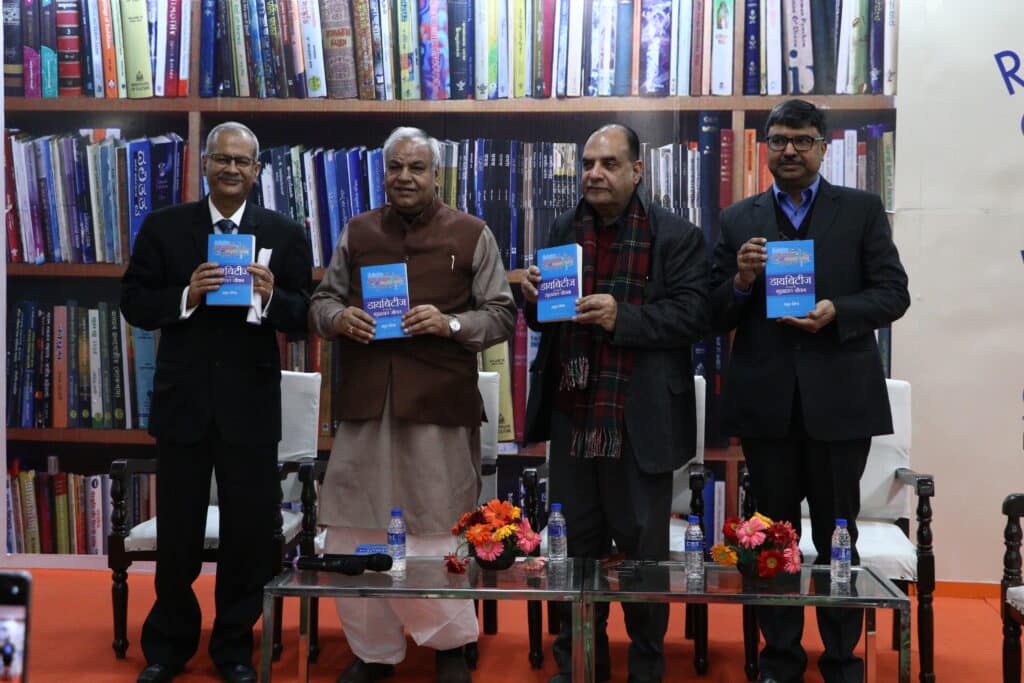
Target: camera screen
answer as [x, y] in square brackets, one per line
[12, 641]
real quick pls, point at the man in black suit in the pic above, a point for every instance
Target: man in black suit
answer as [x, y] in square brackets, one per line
[613, 387]
[216, 404]
[806, 394]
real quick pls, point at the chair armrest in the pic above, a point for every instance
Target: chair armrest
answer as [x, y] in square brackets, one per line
[121, 471]
[1013, 505]
[923, 484]
[1013, 508]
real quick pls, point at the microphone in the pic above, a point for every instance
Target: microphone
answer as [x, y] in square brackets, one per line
[350, 565]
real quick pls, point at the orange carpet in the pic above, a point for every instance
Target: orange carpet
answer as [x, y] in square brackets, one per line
[71, 633]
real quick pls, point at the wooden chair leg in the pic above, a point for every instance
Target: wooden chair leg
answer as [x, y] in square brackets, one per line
[314, 629]
[903, 586]
[554, 625]
[700, 637]
[490, 617]
[688, 621]
[750, 642]
[1011, 649]
[278, 609]
[119, 600]
[533, 620]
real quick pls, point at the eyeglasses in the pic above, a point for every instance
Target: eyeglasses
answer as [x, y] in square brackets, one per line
[242, 163]
[801, 143]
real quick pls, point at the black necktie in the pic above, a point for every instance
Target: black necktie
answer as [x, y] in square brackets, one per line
[225, 226]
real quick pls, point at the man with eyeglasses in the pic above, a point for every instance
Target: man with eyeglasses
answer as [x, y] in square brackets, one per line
[216, 404]
[806, 394]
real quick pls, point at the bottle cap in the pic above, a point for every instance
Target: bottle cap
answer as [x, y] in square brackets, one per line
[841, 522]
[556, 507]
[693, 519]
[397, 512]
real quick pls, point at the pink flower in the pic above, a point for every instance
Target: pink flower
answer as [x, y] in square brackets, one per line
[489, 550]
[528, 539]
[751, 533]
[792, 558]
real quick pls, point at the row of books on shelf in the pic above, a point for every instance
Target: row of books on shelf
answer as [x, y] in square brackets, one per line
[66, 513]
[449, 49]
[74, 366]
[81, 197]
[100, 48]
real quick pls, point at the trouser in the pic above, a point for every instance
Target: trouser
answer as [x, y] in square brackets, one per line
[374, 626]
[606, 500]
[782, 473]
[249, 504]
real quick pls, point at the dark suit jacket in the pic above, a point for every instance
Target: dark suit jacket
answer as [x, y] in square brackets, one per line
[214, 366]
[660, 408]
[838, 370]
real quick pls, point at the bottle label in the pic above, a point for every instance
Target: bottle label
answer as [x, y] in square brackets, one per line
[396, 538]
[693, 544]
[555, 530]
[840, 554]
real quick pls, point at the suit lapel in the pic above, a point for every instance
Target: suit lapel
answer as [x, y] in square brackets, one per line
[201, 227]
[250, 221]
[765, 223]
[826, 208]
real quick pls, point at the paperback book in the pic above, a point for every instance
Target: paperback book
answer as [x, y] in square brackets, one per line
[561, 270]
[386, 297]
[789, 278]
[233, 253]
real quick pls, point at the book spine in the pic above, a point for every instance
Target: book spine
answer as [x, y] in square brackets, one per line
[239, 49]
[387, 48]
[408, 41]
[339, 55]
[118, 30]
[316, 85]
[889, 47]
[184, 50]
[362, 34]
[751, 48]
[84, 401]
[11, 216]
[267, 60]
[697, 45]
[46, 512]
[69, 48]
[71, 358]
[460, 21]
[520, 371]
[48, 47]
[95, 370]
[799, 60]
[207, 53]
[60, 504]
[481, 48]
[31, 65]
[254, 48]
[106, 366]
[136, 48]
[224, 69]
[117, 378]
[857, 71]
[722, 48]
[173, 50]
[876, 46]
[14, 56]
[298, 54]
[31, 511]
[58, 344]
[106, 26]
[276, 26]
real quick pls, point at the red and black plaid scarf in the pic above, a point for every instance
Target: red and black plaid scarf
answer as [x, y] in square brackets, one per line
[597, 371]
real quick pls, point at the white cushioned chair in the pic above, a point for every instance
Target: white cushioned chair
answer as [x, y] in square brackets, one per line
[884, 523]
[300, 415]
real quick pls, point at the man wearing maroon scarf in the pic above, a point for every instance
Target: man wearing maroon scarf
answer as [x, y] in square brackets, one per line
[612, 388]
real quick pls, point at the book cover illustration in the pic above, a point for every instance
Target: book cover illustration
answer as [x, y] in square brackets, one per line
[386, 297]
[232, 253]
[789, 278]
[561, 270]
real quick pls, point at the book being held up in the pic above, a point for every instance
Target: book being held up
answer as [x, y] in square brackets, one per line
[386, 297]
[561, 271]
[789, 278]
[233, 253]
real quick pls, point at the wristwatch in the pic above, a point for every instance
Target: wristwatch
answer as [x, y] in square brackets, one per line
[454, 325]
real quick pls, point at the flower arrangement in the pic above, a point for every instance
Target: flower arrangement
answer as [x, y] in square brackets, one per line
[494, 530]
[771, 547]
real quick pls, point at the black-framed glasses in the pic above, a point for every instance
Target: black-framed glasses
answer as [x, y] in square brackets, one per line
[801, 143]
[242, 163]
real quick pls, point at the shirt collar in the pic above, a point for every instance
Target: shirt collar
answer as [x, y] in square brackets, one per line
[808, 194]
[216, 215]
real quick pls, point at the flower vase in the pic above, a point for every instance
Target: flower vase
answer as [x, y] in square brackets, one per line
[503, 561]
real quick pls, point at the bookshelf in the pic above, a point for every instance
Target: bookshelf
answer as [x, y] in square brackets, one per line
[337, 122]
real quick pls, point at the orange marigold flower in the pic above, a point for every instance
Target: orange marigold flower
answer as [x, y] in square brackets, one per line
[478, 534]
[501, 511]
[723, 555]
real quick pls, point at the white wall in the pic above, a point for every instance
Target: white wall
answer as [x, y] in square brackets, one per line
[960, 229]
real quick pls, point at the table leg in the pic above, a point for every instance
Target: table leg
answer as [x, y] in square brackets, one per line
[304, 618]
[904, 664]
[870, 646]
[582, 642]
[267, 642]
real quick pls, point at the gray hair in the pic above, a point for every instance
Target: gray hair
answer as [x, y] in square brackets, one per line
[414, 135]
[233, 127]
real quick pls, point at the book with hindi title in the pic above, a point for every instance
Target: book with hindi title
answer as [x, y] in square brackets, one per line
[789, 278]
[386, 297]
[233, 253]
[561, 270]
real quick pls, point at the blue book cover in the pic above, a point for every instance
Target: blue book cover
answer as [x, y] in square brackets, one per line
[139, 187]
[375, 177]
[144, 361]
[207, 54]
[232, 253]
[386, 297]
[561, 270]
[789, 278]
[752, 48]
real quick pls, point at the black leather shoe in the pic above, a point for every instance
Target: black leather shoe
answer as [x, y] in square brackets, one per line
[451, 666]
[365, 672]
[156, 673]
[237, 673]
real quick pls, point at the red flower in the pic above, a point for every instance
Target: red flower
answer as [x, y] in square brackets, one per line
[730, 527]
[454, 565]
[769, 563]
[781, 534]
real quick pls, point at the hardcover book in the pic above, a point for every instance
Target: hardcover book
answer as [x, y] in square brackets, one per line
[386, 297]
[789, 278]
[232, 253]
[561, 284]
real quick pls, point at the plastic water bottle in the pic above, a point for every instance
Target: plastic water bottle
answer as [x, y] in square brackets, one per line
[841, 553]
[693, 549]
[558, 550]
[396, 542]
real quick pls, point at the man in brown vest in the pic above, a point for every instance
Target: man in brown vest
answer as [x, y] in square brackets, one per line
[410, 408]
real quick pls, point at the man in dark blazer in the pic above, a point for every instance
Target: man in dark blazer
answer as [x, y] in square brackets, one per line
[613, 388]
[216, 404]
[806, 394]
